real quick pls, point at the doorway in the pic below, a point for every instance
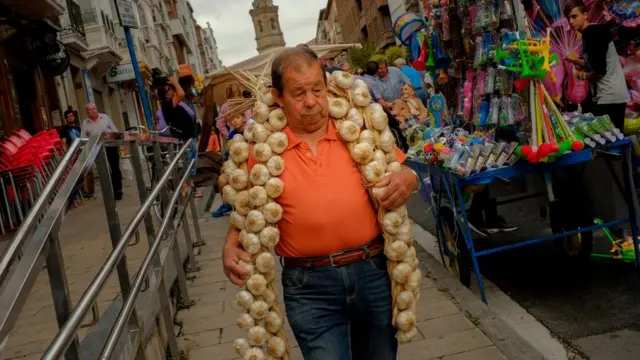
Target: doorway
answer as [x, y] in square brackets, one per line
[26, 94]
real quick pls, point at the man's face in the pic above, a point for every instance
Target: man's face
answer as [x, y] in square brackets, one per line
[578, 19]
[71, 118]
[383, 70]
[92, 111]
[304, 98]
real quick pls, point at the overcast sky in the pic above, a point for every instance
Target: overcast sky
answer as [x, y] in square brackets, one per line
[233, 28]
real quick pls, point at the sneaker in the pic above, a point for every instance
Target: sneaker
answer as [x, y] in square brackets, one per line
[223, 210]
[498, 224]
[476, 224]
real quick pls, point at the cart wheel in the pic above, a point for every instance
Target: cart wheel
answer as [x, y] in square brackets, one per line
[453, 249]
[577, 246]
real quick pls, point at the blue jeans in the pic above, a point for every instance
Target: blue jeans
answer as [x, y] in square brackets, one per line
[341, 313]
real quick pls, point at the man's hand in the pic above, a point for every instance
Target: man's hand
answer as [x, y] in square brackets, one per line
[398, 187]
[232, 253]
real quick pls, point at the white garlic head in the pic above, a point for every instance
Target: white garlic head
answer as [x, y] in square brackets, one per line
[391, 222]
[242, 203]
[366, 136]
[405, 337]
[362, 153]
[245, 322]
[406, 320]
[402, 211]
[277, 119]
[380, 157]
[228, 168]
[251, 243]
[265, 262]
[342, 78]
[394, 166]
[259, 174]
[269, 296]
[267, 97]
[255, 221]
[373, 171]
[377, 117]
[276, 347]
[278, 141]
[254, 354]
[262, 152]
[239, 152]
[260, 112]
[248, 133]
[355, 116]
[272, 212]
[238, 138]
[229, 194]
[275, 165]
[391, 157]
[270, 236]
[273, 322]
[396, 251]
[270, 276]
[237, 220]
[274, 187]
[244, 299]
[239, 179]
[386, 141]
[359, 83]
[400, 273]
[260, 133]
[259, 309]
[405, 300]
[258, 336]
[257, 284]
[247, 266]
[361, 96]
[349, 131]
[257, 196]
[414, 280]
[240, 346]
[338, 108]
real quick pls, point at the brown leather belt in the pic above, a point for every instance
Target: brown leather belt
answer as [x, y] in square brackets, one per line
[341, 258]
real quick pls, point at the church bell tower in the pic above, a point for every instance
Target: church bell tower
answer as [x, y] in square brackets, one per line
[266, 25]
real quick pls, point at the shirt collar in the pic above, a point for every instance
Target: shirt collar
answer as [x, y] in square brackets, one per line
[332, 134]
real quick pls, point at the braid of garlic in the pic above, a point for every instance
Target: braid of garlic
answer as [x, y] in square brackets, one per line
[363, 126]
[256, 215]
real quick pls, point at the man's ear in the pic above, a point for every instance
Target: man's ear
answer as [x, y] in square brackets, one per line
[276, 95]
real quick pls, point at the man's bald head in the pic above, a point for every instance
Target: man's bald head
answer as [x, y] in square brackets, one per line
[295, 59]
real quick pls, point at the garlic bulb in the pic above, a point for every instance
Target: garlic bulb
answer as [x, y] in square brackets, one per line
[380, 157]
[239, 179]
[257, 196]
[378, 191]
[395, 251]
[229, 194]
[355, 116]
[270, 276]
[406, 336]
[248, 133]
[391, 157]
[240, 346]
[259, 310]
[247, 266]
[273, 321]
[386, 141]
[265, 262]
[255, 221]
[257, 284]
[254, 354]
[278, 141]
[251, 243]
[366, 136]
[245, 322]
[338, 108]
[275, 165]
[237, 220]
[406, 320]
[269, 296]
[359, 83]
[244, 299]
[373, 171]
[361, 96]
[414, 280]
[259, 174]
[238, 138]
[272, 212]
[349, 131]
[402, 211]
[343, 79]
[377, 118]
[405, 300]
[242, 203]
[228, 168]
[277, 119]
[260, 112]
[239, 152]
[274, 187]
[262, 152]
[260, 133]
[394, 166]
[276, 346]
[404, 233]
[362, 153]
[258, 336]
[391, 222]
[267, 97]
[400, 273]
[411, 258]
[269, 237]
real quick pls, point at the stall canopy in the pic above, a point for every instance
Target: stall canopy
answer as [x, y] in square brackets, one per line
[220, 79]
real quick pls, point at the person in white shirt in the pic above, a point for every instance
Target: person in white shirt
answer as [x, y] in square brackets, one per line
[98, 123]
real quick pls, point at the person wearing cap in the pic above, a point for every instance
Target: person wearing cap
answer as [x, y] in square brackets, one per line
[414, 76]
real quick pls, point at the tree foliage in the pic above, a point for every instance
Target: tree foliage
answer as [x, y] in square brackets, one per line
[395, 52]
[358, 58]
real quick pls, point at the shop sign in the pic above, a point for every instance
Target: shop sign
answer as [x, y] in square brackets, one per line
[120, 73]
[54, 58]
[128, 14]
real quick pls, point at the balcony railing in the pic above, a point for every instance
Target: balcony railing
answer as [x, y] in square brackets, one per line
[76, 23]
[90, 17]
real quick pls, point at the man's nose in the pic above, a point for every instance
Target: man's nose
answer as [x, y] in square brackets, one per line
[309, 99]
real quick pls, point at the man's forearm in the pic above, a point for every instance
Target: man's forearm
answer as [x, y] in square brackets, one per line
[233, 237]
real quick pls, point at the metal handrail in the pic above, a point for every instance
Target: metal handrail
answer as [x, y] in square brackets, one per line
[66, 334]
[36, 211]
[129, 303]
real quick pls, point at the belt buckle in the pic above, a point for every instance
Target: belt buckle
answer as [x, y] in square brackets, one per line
[335, 254]
[367, 254]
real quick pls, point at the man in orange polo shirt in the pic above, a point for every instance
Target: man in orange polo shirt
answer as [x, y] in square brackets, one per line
[336, 286]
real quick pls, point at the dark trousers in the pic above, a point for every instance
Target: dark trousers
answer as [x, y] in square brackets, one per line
[616, 113]
[113, 157]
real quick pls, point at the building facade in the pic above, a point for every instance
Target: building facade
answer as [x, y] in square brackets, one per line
[266, 24]
[211, 50]
[329, 30]
[362, 20]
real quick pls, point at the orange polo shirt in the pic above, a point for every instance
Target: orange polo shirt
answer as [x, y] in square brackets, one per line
[326, 208]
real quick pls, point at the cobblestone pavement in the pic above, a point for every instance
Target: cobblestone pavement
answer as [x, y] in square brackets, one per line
[208, 327]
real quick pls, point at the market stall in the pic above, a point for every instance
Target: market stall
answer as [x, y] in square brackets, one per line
[505, 107]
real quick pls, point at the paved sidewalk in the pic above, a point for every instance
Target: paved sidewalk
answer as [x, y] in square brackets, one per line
[208, 327]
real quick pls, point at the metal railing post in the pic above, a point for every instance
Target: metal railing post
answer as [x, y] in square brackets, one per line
[196, 224]
[134, 151]
[187, 236]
